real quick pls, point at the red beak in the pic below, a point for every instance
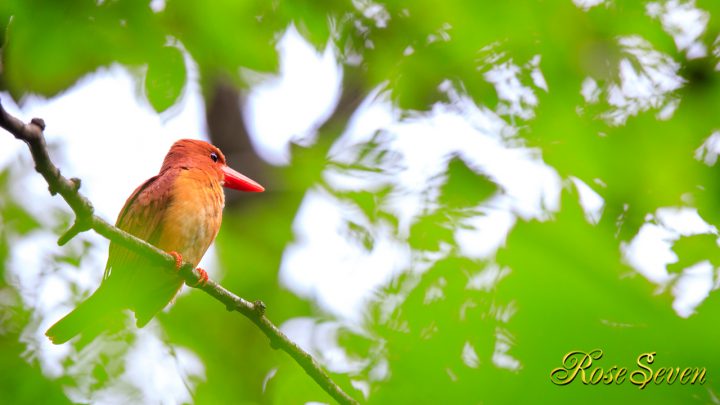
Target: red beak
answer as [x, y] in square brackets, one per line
[237, 181]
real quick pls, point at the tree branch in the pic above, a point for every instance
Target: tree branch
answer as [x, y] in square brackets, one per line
[85, 219]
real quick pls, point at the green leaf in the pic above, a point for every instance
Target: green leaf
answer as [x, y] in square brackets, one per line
[464, 187]
[695, 249]
[17, 218]
[165, 78]
[224, 35]
[361, 234]
[312, 18]
[52, 44]
[429, 232]
[370, 202]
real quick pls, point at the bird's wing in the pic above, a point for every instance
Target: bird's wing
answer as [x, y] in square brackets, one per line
[142, 216]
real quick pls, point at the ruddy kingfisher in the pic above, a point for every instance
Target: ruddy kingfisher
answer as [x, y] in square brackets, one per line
[178, 211]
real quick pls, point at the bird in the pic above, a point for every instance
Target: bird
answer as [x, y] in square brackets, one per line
[179, 211]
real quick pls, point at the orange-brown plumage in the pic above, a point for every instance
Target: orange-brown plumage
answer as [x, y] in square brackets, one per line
[179, 210]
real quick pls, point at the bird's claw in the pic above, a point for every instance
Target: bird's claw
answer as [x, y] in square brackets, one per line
[178, 259]
[202, 280]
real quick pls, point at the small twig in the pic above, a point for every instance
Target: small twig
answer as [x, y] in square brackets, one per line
[32, 135]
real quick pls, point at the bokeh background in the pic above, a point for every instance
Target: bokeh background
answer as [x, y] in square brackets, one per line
[458, 194]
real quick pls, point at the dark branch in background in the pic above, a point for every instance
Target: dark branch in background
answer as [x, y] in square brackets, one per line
[229, 132]
[353, 93]
[32, 135]
[228, 129]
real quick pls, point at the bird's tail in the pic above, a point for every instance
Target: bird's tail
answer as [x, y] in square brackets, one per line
[88, 313]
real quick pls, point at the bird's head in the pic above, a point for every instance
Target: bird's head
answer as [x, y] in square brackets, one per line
[195, 154]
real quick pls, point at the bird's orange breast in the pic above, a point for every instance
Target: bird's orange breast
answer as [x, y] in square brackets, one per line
[193, 218]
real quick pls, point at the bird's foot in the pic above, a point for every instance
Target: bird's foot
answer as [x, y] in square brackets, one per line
[202, 280]
[178, 264]
[178, 259]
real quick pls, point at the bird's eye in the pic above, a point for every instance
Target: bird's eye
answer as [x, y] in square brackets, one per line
[214, 156]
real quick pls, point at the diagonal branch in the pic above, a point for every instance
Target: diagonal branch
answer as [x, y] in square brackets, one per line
[32, 135]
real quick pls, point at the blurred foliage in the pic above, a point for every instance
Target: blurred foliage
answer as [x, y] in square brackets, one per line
[694, 249]
[607, 94]
[464, 188]
[22, 381]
